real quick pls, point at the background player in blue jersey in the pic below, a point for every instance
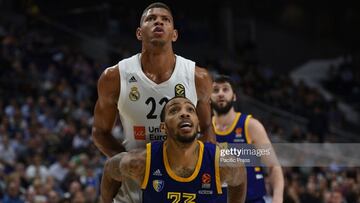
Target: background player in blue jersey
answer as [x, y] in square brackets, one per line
[189, 171]
[235, 127]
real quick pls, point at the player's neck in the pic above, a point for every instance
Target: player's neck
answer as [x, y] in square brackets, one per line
[158, 66]
[225, 120]
[185, 155]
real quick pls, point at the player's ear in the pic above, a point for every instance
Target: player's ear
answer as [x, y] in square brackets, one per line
[234, 97]
[138, 33]
[163, 128]
[175, 35]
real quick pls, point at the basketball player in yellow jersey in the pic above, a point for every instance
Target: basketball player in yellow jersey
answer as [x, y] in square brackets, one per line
[179, 169]
[138, 87]
[238, 128]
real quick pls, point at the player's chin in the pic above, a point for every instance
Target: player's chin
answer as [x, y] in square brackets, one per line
[186, 139]
[158, 40]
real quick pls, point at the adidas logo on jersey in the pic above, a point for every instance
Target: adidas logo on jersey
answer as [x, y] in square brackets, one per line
[157, 173]
[132, 79]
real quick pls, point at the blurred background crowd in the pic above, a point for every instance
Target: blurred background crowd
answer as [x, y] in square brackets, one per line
[52, 54]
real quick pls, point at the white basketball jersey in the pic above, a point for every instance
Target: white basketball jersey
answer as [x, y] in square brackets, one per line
[141, 100]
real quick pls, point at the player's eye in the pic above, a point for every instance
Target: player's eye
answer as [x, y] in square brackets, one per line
[191, 109]
[166, 19]
[173, 110]
[150, 18]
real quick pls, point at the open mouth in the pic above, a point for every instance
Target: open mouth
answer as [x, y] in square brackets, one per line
[158, 30]
[185, 125]
[221, 101]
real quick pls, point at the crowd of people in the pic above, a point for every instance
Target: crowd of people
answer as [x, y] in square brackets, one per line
[47, 95]
[326, 185]
[343, 81]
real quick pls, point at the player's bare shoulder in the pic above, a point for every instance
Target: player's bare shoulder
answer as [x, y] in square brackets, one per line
[109, 82]
[257, 132]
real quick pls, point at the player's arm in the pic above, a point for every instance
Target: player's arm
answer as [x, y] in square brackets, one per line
[105, 112]
[203, 82]
[259, 137]
[126, 164]
[234, 174]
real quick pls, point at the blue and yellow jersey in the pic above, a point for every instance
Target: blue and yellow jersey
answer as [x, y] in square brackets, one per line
[238, 133]
[161, 184]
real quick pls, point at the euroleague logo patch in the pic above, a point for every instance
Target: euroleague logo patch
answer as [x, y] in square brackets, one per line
[238, 132]
[206, 181]
[179, 90]
[206, 178]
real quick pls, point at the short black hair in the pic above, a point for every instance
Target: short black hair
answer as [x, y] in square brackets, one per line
[155, 5]
[162, 114]
[224, 79]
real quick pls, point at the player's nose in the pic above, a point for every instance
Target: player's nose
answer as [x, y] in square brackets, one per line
[184, 114]
[221, 94]
[158, 21]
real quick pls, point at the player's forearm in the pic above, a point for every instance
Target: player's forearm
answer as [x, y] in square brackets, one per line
[207, 134]
[277, 183]
[109, 188]
[237, 183]
[111, 177]
[106, 143]
[237, 194]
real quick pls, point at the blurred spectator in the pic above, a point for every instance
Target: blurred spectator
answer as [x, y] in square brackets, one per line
[53, 197]
[60, 168]
[21, 173]
[70, 178]
[51, 185]
[75, 187]
[318, 123]
[91, 194]
[13, 194]
[7, 153]
[78, 197]
[2, 181]
[336, 197]
[311, 194]
[297, 135]
[36, 169]
[82, 140]
[39, 189]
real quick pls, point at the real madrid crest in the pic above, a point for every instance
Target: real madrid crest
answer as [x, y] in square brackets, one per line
[134, 94]
[179, 90]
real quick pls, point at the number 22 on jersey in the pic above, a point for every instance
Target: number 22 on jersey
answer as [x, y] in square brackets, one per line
[151, 101]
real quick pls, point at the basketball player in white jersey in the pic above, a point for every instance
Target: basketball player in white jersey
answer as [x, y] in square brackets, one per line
[138, 87]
